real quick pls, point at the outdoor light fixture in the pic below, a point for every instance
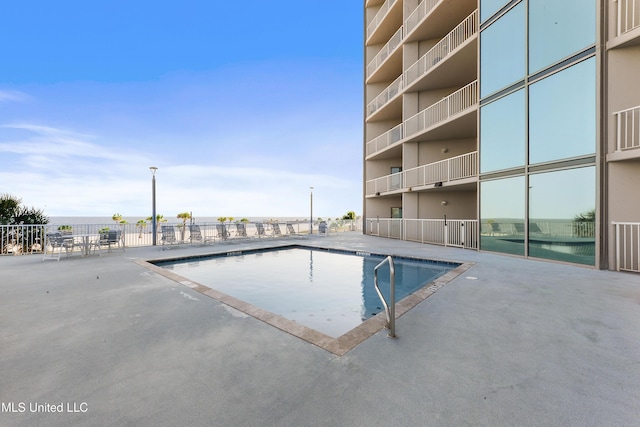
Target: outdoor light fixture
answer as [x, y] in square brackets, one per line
[153, 170]
[444, 203]
[438, 184]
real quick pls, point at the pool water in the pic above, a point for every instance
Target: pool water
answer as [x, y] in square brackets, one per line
[331, 292]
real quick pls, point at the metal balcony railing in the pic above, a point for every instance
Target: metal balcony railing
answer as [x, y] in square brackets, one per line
[627, 128]
[462, 233]
[385, 140]
[384, 9]
[385, 52]
[419, 14]
[442, 110]
[627, 246]
[465, 30]
[387, 95]
[628, 15]
[455, 168]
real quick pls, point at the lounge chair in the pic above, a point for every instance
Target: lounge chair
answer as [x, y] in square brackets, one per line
[222, 231]
[323, 229]
[276, 229]
[195, 235]
[260, 230]
[168, 235]
[290, 230]
[59, 242]
[241, 229]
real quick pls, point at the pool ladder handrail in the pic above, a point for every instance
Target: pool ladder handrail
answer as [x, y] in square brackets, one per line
[389, 309]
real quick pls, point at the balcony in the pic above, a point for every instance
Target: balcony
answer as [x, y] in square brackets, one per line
[459, 168]
[462, 233]
[387, 60]
[389, 94]
[627, 134]
[451, 111]
[391, 10]
[433, 18]
[419, 14]
[461, 67]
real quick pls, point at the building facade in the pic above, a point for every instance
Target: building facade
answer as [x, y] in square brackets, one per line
[505, 126]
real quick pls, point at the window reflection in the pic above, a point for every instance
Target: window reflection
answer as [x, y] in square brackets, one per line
[562, 215]
[502, 208]
[502, 52]
[502, 133]
[558, 29]
[489, 7]
[562, 114]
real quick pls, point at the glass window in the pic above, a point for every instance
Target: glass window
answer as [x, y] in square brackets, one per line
[562, 215]
[562, 114]
[502, 52]
[489, 7]
[502, 208]
[559, 28]
[502, 133]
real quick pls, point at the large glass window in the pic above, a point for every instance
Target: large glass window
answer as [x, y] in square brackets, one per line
[489, 7]
[562, 217]
[502, 209]
[562, 114]
[559, 28]
[502, 133]
[502, 51]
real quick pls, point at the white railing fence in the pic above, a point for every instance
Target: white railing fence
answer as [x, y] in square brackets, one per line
[457, 233]
[627, 128]
[385, 52]
[384, 9]
[387, 95]
[385, 140]
[459, 167]
[628, 15]
[386, 183]
[420, 12]
[442, 110]
[627, 246]
[444, 47]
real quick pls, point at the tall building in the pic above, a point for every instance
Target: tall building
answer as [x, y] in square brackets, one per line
[505, 126]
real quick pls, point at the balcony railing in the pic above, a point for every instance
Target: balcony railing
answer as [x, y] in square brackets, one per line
[461, 233]
[442, 110]
[384, 9]
[385, 52]
[628, 15]
[627, 246]
[385, 140]
[627, 128]
[387, 95]
[419, 13]
[455, 168]
[444, 47]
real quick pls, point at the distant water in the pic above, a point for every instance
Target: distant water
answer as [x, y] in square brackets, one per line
[71, 220]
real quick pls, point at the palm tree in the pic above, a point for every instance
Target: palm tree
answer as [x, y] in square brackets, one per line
[222, 219]
[159, 219]
[184, 216]
[116, 218]
[140, 225]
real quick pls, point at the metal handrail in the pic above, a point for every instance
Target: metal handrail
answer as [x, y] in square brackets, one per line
[389, 309]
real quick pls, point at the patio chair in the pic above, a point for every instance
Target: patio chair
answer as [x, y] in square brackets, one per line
[323, 229]
[290, 230]
[59, 242]
[260, 230]
[109, 238]
[241, 229]
[276, 229]
[195, 235]
[168, 235]
[223, 233]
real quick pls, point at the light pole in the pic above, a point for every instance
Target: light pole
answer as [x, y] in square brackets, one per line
[154, 232]
[311, 218]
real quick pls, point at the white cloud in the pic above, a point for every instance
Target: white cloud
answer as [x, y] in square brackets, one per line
[12, 96]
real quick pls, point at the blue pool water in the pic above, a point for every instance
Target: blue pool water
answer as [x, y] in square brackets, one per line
[328, 291]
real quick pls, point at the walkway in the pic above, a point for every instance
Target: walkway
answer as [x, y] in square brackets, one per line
[509, 342]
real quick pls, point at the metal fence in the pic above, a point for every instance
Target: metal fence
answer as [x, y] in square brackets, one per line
[627, 246]
[31, 239]
[462, 233]
[628, 15]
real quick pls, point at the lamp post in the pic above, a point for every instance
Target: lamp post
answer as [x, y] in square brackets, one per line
[311, 217]
[154, 226]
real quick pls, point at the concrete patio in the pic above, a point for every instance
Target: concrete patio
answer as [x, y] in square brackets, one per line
[509, 342]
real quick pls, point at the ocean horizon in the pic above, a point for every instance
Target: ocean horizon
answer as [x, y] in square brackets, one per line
[72, 220]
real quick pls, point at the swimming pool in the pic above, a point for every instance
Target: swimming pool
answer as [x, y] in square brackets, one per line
[328, 291]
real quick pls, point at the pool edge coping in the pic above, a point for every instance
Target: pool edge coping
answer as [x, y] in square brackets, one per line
[338, 346]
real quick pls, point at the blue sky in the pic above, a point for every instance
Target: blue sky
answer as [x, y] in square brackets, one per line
[241, 105]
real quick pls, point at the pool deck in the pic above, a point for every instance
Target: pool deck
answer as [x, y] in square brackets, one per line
[508, 342]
